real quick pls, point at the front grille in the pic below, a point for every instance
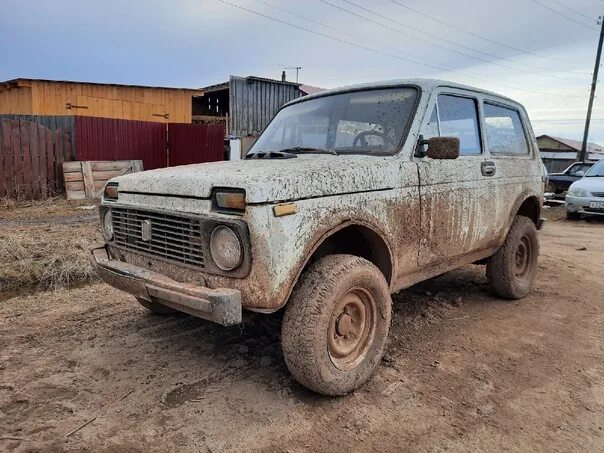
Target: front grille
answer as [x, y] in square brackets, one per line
[171, 237]
[598, 194]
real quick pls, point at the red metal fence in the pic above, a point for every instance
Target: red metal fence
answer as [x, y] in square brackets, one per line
[31, 158]
[112, 139]
[194, 143]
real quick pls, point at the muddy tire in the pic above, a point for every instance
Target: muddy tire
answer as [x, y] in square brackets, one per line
[155, 307]
[551, 187]
[573, 215]
[336, 324]
[512, 269]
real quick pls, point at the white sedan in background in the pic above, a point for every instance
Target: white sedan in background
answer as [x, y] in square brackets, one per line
[586, 196]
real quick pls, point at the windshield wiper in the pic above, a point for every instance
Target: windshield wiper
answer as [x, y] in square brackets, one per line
[288, 153]
[271, 155]
[305, 149]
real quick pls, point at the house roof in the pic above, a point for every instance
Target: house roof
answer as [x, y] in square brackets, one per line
[576, 144]
[24, 82]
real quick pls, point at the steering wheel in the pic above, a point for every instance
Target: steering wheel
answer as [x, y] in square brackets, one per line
[360, 137]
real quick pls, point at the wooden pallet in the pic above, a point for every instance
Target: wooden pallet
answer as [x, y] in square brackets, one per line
[87, 179]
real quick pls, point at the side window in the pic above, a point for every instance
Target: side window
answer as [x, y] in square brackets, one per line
[455, 116]
[574, 169]
[504, 130]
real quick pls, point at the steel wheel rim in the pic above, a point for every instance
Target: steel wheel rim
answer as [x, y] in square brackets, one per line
[351, 328]
[522, 257]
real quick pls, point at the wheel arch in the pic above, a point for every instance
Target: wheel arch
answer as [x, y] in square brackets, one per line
[528, 206]
[351, 237]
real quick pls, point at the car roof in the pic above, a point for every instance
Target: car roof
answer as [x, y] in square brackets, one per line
[427, 85]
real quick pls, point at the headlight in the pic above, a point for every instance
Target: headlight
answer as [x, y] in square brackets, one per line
[225, 248]
[579, 193]
[107, 225]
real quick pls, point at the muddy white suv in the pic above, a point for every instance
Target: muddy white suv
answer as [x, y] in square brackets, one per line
[348, 196]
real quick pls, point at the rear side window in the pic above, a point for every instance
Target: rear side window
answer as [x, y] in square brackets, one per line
[504, 131]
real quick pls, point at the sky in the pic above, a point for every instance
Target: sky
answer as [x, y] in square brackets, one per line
[539, 52]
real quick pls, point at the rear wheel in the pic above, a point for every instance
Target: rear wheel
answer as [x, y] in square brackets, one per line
[336, 324]
[155, 307]
[512, 269]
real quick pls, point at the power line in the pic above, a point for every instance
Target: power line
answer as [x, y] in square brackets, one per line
[573, 10]
[362, 38]
[423, 32]
[484, 38]
[376, 51]
[555, 11]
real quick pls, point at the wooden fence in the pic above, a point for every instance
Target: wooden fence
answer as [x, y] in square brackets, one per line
[31, 159]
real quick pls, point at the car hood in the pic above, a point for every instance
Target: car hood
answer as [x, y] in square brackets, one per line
[271, 180]
[589, 183]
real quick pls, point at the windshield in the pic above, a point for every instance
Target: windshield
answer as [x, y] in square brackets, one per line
[596, 170]
[371, 121]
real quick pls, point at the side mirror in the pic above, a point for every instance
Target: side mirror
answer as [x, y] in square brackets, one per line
[439, 148]
[580, 173]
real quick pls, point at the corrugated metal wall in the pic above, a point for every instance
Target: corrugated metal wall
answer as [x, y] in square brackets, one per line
[195, 143]
[253, 103]
[113, 139]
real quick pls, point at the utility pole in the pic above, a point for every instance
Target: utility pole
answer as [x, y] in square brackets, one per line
[583, 153]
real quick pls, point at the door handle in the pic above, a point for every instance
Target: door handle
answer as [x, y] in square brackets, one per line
[488, 168]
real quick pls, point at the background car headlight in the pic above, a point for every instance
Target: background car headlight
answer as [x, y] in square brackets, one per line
[107, 225]
[579, 193]
[226, 248]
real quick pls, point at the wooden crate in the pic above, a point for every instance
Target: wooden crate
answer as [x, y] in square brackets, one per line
[87, 179]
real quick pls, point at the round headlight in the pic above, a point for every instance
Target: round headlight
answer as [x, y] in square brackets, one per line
[107, 225]
[225, 248]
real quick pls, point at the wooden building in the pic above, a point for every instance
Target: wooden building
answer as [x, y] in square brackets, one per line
[559, 153]
[129, 102]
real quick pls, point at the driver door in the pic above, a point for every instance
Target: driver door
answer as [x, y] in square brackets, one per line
[455, 194]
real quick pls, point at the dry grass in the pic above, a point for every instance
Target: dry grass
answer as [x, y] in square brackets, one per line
[45, 245]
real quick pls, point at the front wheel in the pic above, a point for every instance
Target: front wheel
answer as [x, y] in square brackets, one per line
[336, 324]
[512, 269]
[573, 215]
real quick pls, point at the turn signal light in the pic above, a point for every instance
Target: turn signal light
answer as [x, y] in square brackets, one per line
[110, 192]
[229, 200]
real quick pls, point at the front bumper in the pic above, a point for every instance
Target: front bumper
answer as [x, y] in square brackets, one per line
[222, 305]
[581, 205]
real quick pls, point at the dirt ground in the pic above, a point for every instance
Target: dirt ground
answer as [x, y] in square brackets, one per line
[464, 371]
